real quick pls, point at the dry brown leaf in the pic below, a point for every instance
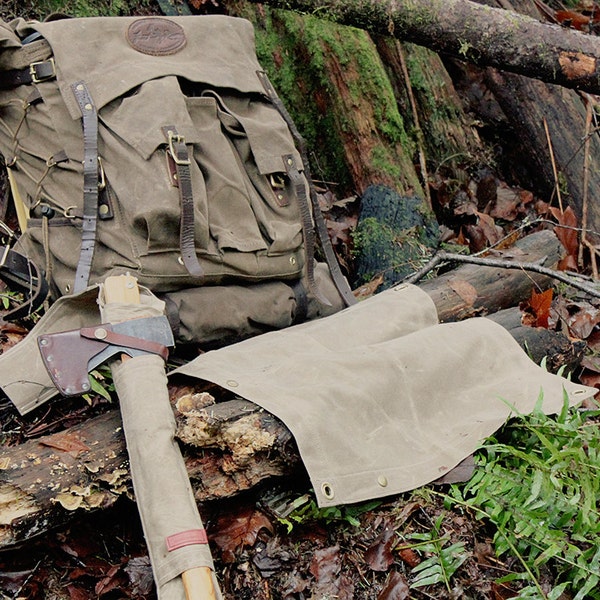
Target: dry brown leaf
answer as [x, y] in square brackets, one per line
[339, 231]
[536, 311]
[409, 556]
[567, 233]
[367, 290]
[110, 582]
[236, 531]
[326, 564]
[506, 204]
[65, 442]
[379, 555]
[464, 289]
[396, 588]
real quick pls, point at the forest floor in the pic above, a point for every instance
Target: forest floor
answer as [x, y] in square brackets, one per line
[422, 545]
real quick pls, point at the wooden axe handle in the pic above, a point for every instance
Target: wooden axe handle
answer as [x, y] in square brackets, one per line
[197, 582]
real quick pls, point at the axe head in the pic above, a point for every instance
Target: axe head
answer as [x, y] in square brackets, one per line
[69, 355]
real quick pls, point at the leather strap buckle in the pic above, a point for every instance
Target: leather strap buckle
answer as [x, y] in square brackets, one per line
[181, 158]
[42, 70]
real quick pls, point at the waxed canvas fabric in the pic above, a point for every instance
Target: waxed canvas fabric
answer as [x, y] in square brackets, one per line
[380, 397]
[162, 489]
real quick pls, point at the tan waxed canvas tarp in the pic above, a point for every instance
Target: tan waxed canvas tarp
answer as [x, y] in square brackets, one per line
[380, 397]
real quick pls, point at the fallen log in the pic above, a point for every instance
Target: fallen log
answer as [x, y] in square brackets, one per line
[472, 290]
[229, 446]
[469, 31]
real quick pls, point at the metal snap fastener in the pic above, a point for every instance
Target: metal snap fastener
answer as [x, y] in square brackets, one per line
[100, 333]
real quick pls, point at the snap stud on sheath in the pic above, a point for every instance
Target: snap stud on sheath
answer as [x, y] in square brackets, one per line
[100, 333]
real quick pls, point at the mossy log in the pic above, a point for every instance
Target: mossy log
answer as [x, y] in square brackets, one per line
[480, 34]
[230, 446]
[432, 109]
[333, 82]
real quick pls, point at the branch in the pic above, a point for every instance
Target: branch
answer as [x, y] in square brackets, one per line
[473, 32]
[443, 257]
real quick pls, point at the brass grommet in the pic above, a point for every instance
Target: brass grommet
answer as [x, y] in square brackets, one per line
[327, 490]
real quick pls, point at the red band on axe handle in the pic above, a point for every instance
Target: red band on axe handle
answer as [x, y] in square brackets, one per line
[186, 538]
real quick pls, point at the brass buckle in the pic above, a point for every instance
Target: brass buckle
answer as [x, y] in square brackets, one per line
[277, 180]
[101, 175]
[177, 139]
[33, 70]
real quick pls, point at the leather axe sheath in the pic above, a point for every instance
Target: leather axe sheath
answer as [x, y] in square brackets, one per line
[70, 355]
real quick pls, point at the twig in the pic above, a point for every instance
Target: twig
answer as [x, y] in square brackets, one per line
[586, 184]
[442, 257]
[418, 130]
[554, 170]
[586, 177]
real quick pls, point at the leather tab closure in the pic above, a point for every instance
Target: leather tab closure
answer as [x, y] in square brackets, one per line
[186, 538]
[178, 156]
[105, 334]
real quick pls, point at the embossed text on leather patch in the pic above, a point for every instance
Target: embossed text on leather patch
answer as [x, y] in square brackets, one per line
[156, 36]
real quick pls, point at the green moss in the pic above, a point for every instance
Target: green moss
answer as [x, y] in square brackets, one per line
[300, 53]
[394, 236]
[382, 159]
[75, 8]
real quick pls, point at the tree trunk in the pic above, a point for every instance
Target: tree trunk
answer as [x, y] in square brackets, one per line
[548, 124]
[448, 135]
[469, 31]
[332, 81]
[232, 446]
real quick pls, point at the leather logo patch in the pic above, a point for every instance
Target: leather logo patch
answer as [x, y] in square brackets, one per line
[156, 36]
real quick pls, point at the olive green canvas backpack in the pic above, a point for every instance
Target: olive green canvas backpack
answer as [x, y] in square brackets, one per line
[158, 147]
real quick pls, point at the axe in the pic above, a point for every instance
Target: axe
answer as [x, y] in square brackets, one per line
[135, 339]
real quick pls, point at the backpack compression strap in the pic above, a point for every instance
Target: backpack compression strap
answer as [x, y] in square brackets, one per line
[90, 185]
[334, 268]
[179, 161]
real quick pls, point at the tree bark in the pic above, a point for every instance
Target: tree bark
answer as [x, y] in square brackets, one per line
[548, 126]
[335, 86]
[473, 290]
[231, 446]
[469, 31]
